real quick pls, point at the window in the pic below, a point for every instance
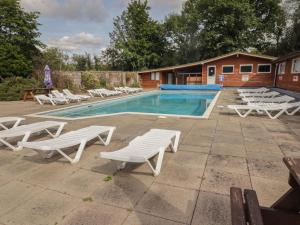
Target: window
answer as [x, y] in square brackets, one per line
[264, 68]
[246, 68]
[296, 65]
[281, 68]
[227, 69]
[155, 76]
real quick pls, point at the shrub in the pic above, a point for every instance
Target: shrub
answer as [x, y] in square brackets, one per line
[92, 81]
[11, 89]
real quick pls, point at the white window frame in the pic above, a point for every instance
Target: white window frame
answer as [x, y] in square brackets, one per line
[157, 76]
[266, 64]
[152, 76]
[293, 61]
[228, 66]
[246, 65]
[279, 67]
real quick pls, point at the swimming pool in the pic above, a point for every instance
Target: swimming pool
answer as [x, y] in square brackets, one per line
[168, 103]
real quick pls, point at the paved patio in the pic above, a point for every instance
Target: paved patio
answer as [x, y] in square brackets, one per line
[193, 187]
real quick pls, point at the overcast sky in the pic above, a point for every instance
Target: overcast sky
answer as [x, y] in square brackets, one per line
[77, 26]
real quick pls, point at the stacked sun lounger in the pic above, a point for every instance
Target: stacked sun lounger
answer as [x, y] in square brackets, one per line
[102, 92]
[128, 90]
[263, 100]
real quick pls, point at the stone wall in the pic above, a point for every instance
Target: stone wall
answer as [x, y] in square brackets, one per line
[73, 79]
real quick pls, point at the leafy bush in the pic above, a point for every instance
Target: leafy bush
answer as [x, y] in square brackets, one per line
[92, 81]
[11, 89]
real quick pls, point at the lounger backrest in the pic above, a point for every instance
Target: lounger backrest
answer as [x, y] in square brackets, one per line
[67, 92]
[34, 127]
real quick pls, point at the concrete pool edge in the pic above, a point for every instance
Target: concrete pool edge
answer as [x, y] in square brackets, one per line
[204, 116]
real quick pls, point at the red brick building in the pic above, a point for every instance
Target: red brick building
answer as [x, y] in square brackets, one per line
[231, 70]
[288, 72]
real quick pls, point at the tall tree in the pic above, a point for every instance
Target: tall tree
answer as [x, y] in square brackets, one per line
[207, 28]
[18, 39]
[137, 41]
[80, 62]
[291, 39]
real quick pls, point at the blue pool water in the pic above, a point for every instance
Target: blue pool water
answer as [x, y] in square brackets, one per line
[158, 102]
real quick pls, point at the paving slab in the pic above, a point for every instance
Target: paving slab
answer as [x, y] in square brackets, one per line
[197, 140]
[271, 156]
[220, 182]
[229, 164]
[49, 207]
[4, 180]
[274, 170]
[80, 183]
[92, 214]
[168, 202]
[228, 137]
[259, 147]
[49, 176]
[268, 191]
[230, 149]
[184, 170]
[212, 209]
[137, 218]
[123, 190]
[16, 193]
[194, 148]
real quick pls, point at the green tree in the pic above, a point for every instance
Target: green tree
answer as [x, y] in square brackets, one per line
[80, 62]
[207, 28]
[137, 41]
[55, 58]
[291, 39]
[18, 39]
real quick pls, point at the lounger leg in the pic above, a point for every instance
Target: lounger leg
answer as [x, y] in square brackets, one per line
[18, 148]
[176, 142]
[78, 153]
[243, 115]
[293, 112]
[17, 123]
[120, 165]
[4, 127]
[59, 130]
[156, 170]
[108, 138]
[276, 115]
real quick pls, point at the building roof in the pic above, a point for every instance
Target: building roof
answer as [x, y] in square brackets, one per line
[207, 61]
[288, 56]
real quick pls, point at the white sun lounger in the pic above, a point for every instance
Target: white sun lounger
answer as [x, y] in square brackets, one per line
[26, 130]
[59, 95]
[279, 109]
[9, 120]
[69, 94]
[79, 137]
[270, 94]
[43, 99]
[253, 90]
[95, 93]
[143, 148]
[280, 99]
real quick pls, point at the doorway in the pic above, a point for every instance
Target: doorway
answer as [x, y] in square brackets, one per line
[211, 74]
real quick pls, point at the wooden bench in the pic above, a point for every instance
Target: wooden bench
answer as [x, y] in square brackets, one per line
[248, 211]
[30, 93]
